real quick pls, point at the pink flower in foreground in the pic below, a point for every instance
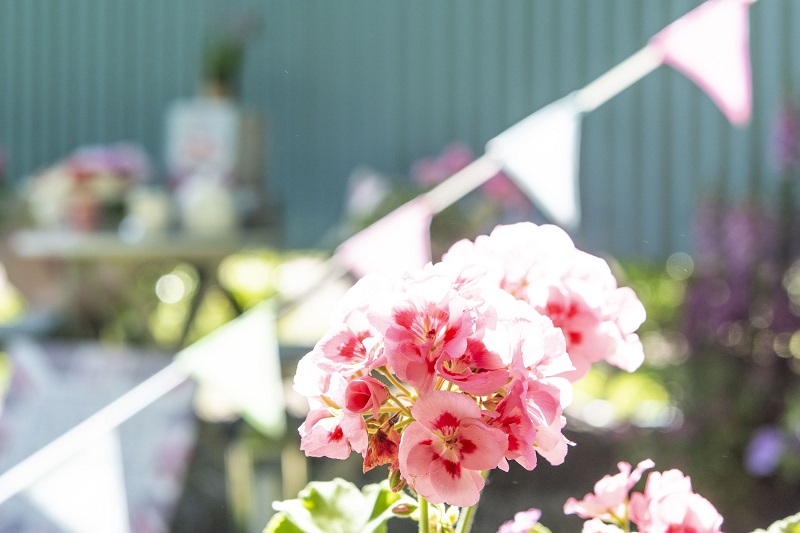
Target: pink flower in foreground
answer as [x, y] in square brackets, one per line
[598, 526]
[523, 522]
[479, 371]
[424, 325]
[473, 356]
[610, 497]
[443, 452]
[326, 435]
[344, 350]
[668, 505]
[576, 290]
[531, 411]
[512, 418]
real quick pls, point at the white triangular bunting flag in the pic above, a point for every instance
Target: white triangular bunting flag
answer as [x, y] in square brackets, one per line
[710, 45]
[541, 153]
[394, 244]
[86, 493]
[240, 361]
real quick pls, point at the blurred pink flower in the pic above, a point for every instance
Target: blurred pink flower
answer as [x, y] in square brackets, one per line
[668, 505]
[127, 161]
[598, 526]
[500, 188]
[523, 522]
[431, 171]
[610, 497]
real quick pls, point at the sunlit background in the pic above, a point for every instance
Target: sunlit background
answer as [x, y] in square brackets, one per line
[352, 108]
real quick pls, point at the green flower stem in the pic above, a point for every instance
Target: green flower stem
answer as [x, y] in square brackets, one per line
[468, 513]
[626, 525]
[400, 405]
[394, 381]
[466, 518]
[424, 521]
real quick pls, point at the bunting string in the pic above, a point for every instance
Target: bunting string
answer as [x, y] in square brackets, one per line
[618, 79]
[34, 467]
[461, 183]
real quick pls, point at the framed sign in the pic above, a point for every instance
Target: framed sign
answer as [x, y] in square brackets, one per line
[202, 137]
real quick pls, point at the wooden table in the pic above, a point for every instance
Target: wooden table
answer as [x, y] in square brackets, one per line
[80, 250]
[109, 245]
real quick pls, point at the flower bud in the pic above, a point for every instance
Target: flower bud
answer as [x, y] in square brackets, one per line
[364, 394]
[404, 510]
[396, 483]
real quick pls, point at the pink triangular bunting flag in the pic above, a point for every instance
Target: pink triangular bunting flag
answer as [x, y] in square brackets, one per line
[710, 45]
[394, 244]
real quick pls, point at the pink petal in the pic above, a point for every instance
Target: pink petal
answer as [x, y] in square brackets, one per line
[456, 485]
[443, 407]
[487, 446]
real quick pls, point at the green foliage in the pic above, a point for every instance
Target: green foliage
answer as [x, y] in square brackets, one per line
[337, 507]
[787, 525]
[724, 393]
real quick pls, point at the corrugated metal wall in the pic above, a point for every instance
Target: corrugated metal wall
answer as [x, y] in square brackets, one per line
[382, 83]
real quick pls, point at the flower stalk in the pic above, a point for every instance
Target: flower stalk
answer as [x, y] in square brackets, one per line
[424, 520]
[466, 518]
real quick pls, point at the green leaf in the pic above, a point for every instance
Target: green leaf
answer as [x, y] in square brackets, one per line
[539, 528]
[787, 525]
[336, 506]
[280, 523]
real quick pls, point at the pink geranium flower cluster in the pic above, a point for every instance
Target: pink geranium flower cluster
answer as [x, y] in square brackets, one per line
[668, 504]
[576, 290]
[444, 374]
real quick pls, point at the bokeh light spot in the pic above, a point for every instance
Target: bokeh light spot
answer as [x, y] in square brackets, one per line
[680, 266]
[170, 288]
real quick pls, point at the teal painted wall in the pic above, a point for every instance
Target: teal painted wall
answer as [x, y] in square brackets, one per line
[382, 83]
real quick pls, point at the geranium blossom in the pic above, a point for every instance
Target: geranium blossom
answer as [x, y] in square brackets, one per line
[452, 370]
[326, 435]
[512, 418]
[610, 496]
[576, 290]
[598, 526]
[478, 371]
[669, 505]
[523, 522]
[425, 324]
[444, 451]
[365, 394]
